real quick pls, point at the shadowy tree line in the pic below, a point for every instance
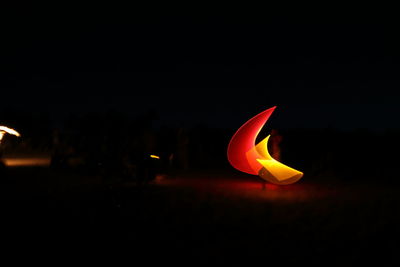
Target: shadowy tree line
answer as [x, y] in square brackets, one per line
[115, 144]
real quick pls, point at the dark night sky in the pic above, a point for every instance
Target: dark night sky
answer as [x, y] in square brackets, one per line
[324, 69]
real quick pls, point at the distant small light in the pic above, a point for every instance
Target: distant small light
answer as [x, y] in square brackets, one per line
[154, 157]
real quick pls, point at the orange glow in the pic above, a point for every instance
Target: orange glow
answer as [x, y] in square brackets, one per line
[247, 157]
[154, 157]
[27, 162]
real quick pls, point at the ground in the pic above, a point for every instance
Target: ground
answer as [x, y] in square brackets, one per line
[205, 216]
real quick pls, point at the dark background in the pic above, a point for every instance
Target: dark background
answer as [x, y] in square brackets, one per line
[329, 67]
[332, 72]
[101, 76]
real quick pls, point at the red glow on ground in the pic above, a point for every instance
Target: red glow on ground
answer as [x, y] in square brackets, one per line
[226, 185]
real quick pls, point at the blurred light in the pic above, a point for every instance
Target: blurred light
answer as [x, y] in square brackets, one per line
[4, 130]
[9, 131]
[27, 162]
[154, 157]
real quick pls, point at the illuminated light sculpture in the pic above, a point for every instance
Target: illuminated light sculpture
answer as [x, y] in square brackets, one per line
[4, 130]
[246, 156]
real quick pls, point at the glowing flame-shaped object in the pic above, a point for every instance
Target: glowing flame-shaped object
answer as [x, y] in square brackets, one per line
[4, 130]
[246, 156]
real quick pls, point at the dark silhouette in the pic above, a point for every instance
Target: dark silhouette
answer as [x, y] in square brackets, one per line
[3, 176]
[182, 149]
[275, 141]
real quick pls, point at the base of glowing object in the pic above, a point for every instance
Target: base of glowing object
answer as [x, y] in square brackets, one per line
[267, 176]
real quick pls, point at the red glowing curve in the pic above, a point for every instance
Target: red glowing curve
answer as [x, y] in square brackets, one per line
[240, 153]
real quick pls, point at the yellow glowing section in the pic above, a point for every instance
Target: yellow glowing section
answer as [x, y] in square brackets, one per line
[154, 157]
[273, 170]
[262, 149]
[259, 152]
